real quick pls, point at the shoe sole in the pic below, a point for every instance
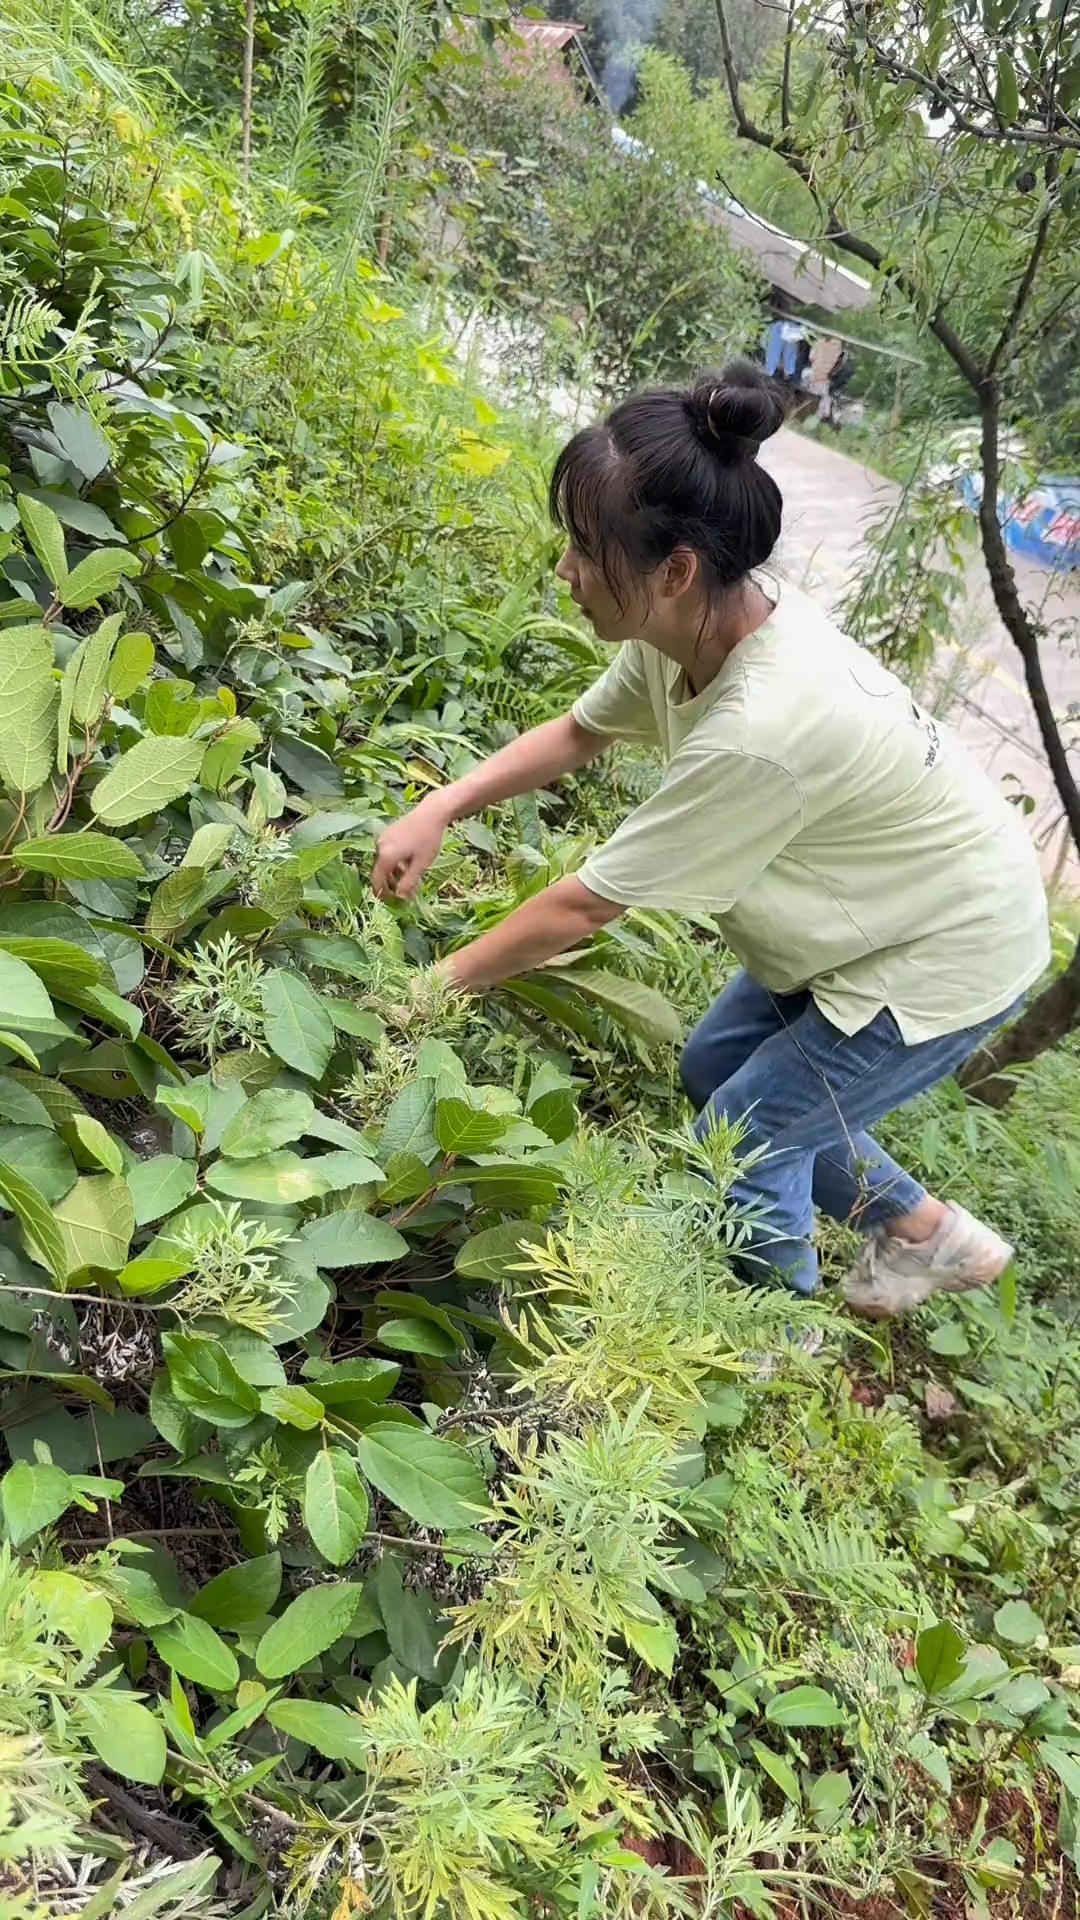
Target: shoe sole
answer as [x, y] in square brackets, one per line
[970, 1284]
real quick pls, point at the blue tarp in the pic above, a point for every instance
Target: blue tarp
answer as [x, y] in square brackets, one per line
[1043, 525]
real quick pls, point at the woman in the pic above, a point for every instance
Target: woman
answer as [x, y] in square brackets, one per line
[880, 893]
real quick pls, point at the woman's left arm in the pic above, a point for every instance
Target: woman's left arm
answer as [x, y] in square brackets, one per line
[551, 922]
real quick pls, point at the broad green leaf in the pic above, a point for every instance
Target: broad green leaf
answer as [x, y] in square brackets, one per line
[208, 844]
[132, 664]
[46, 536]
[148, 1274]
[431, 1480]
[294, 1406]
[1065, 1765]
[23, 999]
[21, 1107]
[340, 1170]
[98, 1142]
[297, 1025]
[352, 1379]
[83, 855]
[349, 1238]
[180, 897]
[654, 1641]
[1018, 1623]
[160, 1185]
[99, 574]
[406, 1334]
[39, 1157]
[632, 1004]
[204, 1378]
[28, 701]
[91, 688]
[74, 1608]
[1007, 93]
[410, 1123]
[828, 1797]
[804, 1707]
[149, 776]
[949, 1339]
[497, 1251]
[273, 1118]
[460, 1128]
[312, 1623]
[335, 1505]
[279, 1179]
[939, 1657]
[191, 1647]
[779, 1770]
[35, 1217]
[125, 1735]
[411, 1621]
[332, 1731]
[347, 1017]
[96, 1221]
[32, 1496]
[80, 436]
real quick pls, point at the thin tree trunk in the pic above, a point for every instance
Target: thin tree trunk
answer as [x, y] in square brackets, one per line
[249, 75]
[1051, 1015]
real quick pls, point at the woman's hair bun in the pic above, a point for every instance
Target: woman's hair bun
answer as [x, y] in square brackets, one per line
[734, 410]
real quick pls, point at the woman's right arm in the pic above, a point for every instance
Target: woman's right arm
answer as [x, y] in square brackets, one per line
[408, 847]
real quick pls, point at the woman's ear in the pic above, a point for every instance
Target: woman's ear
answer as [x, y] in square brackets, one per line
[680, 573]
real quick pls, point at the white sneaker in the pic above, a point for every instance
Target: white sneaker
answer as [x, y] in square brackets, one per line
[891, 1276]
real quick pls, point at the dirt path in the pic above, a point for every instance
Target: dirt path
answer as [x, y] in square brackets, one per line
[829, 499]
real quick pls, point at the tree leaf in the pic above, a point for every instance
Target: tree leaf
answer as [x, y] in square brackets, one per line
[148, 777]
[132, 664]
[96, 1221]
[939, 1657]
[1018, 1623]
[74, 1608]
[630, 1002]
[41, 1158]
[407, 1334]
[804, 1707]
[208, 845]
[28, 700]
[83, 855]
[349, 1238]
[46, 536]
[335, 1505]
[125, 1735]
[309, 1625]
[431, 1480]
[293, 1405]
[159, 1185]
[35, 1217]
[495, 1252]
[409, 1125]
[277, 1178]
[99, 574]
[1007, 94]
[272, 1118]
[33, 1495]
[20, 1106]
[333, 1732]
[460, 1128]
[654, 1641]
[80, 436]
[297, 1025]
[204, 1378]
[779, 1770]
[24, 999]
[92, 680]
[97, 1142]
[240, 1595]
[191, 1647]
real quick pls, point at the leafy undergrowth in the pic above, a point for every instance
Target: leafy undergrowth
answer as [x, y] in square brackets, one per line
[398, 1516]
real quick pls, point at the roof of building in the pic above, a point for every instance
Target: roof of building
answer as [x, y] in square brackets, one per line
[792, 265]
[553, 34]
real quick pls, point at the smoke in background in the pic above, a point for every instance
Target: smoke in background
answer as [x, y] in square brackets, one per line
[625, 28]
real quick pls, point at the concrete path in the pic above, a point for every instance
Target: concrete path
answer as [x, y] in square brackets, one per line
[978, 683]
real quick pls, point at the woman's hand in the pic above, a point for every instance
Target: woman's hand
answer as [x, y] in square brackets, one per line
[407, 849]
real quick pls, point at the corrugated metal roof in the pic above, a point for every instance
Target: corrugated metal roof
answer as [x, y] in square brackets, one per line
[551, 34]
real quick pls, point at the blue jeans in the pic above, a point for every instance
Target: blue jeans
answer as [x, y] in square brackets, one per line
[807, 1092]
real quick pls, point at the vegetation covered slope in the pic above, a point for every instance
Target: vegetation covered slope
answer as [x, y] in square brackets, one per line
[399, 1513]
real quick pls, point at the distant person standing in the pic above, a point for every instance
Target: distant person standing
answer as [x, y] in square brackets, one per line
[825, 356]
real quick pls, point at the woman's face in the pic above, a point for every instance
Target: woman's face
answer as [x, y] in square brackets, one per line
[589, 590]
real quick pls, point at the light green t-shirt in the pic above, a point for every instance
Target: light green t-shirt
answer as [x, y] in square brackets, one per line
[842, 836]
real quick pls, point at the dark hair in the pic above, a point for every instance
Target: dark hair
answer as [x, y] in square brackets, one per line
[675, 467]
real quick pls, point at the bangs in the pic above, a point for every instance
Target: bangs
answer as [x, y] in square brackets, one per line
[588, 500]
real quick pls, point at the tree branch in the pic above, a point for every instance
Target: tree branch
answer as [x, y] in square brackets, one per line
[1030, 273]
